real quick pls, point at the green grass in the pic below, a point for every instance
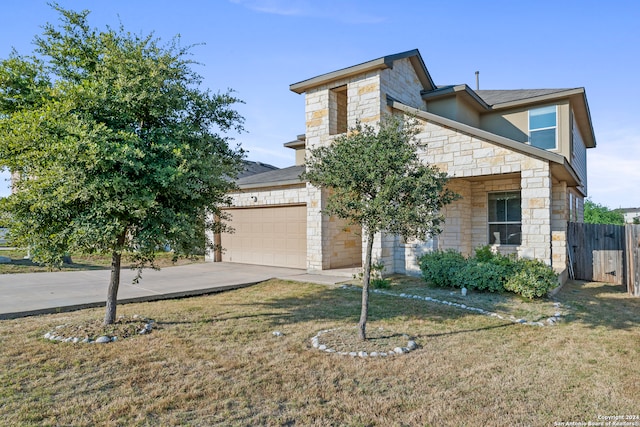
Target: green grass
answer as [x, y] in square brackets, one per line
[213, 360]
[79, 262]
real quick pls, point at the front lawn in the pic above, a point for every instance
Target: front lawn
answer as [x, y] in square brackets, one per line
[214, 360]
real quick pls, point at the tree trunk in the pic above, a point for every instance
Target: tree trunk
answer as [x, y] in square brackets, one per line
[114, 283]
[366, 278]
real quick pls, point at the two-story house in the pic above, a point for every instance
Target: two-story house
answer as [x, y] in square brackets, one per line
[517, 158]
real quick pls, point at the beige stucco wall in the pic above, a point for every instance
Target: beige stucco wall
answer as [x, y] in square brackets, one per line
[455, 108]
[514, 124]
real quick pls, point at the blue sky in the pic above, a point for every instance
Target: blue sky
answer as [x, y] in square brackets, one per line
[260, 47]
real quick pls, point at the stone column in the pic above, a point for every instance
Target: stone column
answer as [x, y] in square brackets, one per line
[536, 210]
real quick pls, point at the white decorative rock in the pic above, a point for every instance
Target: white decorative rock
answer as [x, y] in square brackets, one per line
[411, 345]
[86, 340]
[383, 354]
[47, 335]
[277, 333]
[463, 291]
[353, 354]
[142, 331]
[398, 350]
[557, 314]
[103, 339]
[374, 354]
[75, 340]
[322, 347]
[363, 354]
[391, 353]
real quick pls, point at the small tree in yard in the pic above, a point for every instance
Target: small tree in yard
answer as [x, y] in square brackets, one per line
[377, 180]
[116, 147]
[595, 213]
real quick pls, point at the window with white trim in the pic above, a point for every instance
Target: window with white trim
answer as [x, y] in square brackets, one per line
[542, 127]
[505, 218]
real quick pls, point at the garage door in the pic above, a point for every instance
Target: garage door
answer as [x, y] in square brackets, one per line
[274, 236]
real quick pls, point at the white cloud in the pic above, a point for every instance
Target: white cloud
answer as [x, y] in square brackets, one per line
[342, 11]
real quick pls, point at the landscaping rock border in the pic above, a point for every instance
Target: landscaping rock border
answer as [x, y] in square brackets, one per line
[397, 351]
[549, 321]
[103, 339]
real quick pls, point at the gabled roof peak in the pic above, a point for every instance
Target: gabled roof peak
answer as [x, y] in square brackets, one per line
[376, 64]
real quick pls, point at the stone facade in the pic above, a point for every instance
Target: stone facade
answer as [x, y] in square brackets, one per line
[478, 163]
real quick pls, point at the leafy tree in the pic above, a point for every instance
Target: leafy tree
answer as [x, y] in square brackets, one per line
[595, 213]
[376, 179]
[116, 146]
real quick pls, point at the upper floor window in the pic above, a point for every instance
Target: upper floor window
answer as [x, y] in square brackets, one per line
[542, 127]
[338, 110]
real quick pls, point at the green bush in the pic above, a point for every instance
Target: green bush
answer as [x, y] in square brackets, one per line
[532, 278]
[482, 276]
[439, 267]
[488, 271]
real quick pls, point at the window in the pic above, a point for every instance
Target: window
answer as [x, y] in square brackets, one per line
[542, 127]
[505, 218]
[338, 110]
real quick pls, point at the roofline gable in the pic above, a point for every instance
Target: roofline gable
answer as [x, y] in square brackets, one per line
[376, 64]
[463, 90]
[479, 133]
[578, 99]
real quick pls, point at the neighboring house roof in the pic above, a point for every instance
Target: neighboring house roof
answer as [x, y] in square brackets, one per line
[253, 168]
[632, 210]
[376, 64]
[279, 177]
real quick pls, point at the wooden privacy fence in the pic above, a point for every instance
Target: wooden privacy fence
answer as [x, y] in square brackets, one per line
[606, 253]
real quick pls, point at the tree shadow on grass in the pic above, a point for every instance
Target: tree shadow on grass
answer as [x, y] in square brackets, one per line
[600, 304]
[335, 305]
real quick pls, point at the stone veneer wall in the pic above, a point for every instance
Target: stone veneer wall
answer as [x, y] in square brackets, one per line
[559, 219]
[465, 156]
[328, 245]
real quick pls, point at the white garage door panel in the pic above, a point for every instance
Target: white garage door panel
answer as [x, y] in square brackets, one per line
[267, 236]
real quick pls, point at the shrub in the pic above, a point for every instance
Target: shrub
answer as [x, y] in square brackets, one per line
[439, 267]
[488, 271]
[482, 276]
[532, 278]
[376, 280]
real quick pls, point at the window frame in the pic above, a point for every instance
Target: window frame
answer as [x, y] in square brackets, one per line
[554, 127]
[506, 222]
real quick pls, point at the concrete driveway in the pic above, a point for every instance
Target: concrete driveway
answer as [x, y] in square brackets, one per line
[38, 293]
